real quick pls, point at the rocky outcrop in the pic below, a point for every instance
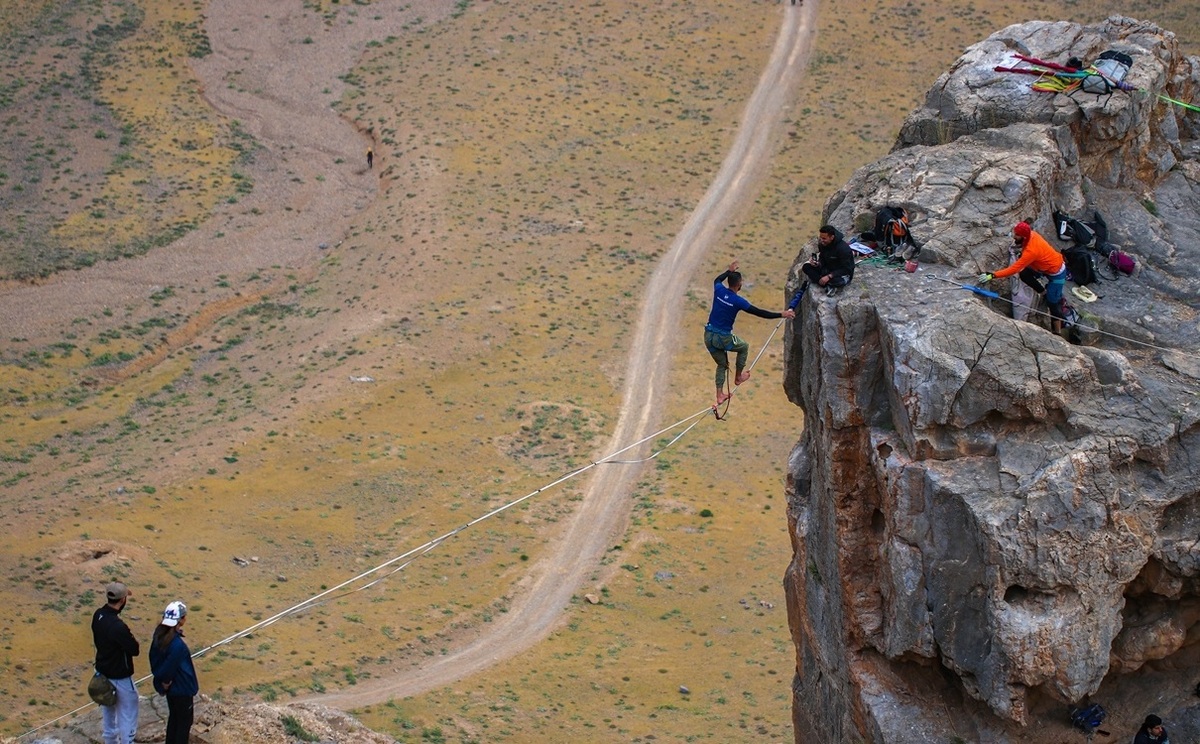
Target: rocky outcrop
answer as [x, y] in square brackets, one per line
[221, 722]
[990, 523]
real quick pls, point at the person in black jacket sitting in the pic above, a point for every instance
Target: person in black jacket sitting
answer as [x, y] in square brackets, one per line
[832, 266]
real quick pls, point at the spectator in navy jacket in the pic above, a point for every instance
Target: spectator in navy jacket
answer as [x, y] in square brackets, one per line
[1152, 732]
[174, 674]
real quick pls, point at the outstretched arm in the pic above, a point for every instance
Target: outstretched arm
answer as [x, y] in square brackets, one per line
[770, 314]
[1017, 266]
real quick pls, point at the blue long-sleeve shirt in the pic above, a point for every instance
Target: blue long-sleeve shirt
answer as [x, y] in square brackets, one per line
[727, 304]
[174, 665]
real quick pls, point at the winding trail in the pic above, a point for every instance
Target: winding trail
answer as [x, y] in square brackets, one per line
[281, 90]
[304, 136]
[604, 509]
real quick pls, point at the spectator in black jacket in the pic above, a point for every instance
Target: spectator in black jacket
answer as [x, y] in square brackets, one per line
[115, 649]
[1152, 732]
[832, 266]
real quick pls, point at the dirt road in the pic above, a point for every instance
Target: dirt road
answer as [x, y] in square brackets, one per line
[300, 200]
[604, 509]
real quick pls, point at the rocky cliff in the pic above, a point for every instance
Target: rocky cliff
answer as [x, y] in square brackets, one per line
[990, 523]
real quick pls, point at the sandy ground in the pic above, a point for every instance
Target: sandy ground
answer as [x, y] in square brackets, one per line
[299, 213]
[299, 204]
[604, 511]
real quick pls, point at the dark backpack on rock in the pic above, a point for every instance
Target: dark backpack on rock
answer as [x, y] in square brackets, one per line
[891, 232]
[1082, 266]
[1080, 234]
[1088, 718]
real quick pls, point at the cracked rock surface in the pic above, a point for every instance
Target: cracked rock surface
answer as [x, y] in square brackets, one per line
[990, 523]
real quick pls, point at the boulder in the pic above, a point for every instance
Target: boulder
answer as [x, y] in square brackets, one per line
[989, 523]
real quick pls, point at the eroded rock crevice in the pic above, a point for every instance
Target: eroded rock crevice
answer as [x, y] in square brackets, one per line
[990, 523]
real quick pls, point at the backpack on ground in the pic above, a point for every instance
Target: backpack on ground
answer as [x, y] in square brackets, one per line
[1107, 73]
[892, 235]
[1088, 718]
[1121, 262]
[1100, 227]
[1081, 234]
[1118, 260]
[1070, 316]
[1082, 266]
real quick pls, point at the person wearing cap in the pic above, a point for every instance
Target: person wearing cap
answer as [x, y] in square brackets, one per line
[718, 332]
[174, 673]
[1036, 259]
[1152, 732]
[115, 649]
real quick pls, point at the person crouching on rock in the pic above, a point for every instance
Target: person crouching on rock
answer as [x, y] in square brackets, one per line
[832, 266]
[174, 674]
[1036, 259]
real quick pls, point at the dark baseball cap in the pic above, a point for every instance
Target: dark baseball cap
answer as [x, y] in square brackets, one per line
[117, 591]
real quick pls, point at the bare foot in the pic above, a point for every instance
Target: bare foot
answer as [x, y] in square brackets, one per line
[721, 398]
[742, 377]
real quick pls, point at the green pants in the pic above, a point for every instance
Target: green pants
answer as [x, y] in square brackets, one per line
[718, 345]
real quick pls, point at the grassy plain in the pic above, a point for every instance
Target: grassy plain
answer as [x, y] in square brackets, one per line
[534, 160]
[111, 150]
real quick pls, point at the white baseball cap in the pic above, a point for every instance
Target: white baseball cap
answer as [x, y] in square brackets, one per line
[175, 612]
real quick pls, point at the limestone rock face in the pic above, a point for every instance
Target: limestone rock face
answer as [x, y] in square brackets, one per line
[990, 523]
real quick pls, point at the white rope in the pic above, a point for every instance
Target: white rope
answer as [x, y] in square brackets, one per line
[1080, 324]
[402, 561]
[713, 410]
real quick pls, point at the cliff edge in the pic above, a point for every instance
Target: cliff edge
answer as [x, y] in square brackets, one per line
[990, 523]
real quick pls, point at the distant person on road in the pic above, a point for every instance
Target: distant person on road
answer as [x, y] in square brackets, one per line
[832, 266]
[1152, 732]
[718, 332]
[115, 649]
[1036, 259]
[370, 158]
[174, 673]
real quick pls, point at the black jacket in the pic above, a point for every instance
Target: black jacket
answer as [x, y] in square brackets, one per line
[115, 645]
[1144, 737]
[836, 258]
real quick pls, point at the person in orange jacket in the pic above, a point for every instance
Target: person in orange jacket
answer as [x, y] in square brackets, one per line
[1036, 259]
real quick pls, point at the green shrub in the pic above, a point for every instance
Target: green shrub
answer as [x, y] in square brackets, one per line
[292, 727]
